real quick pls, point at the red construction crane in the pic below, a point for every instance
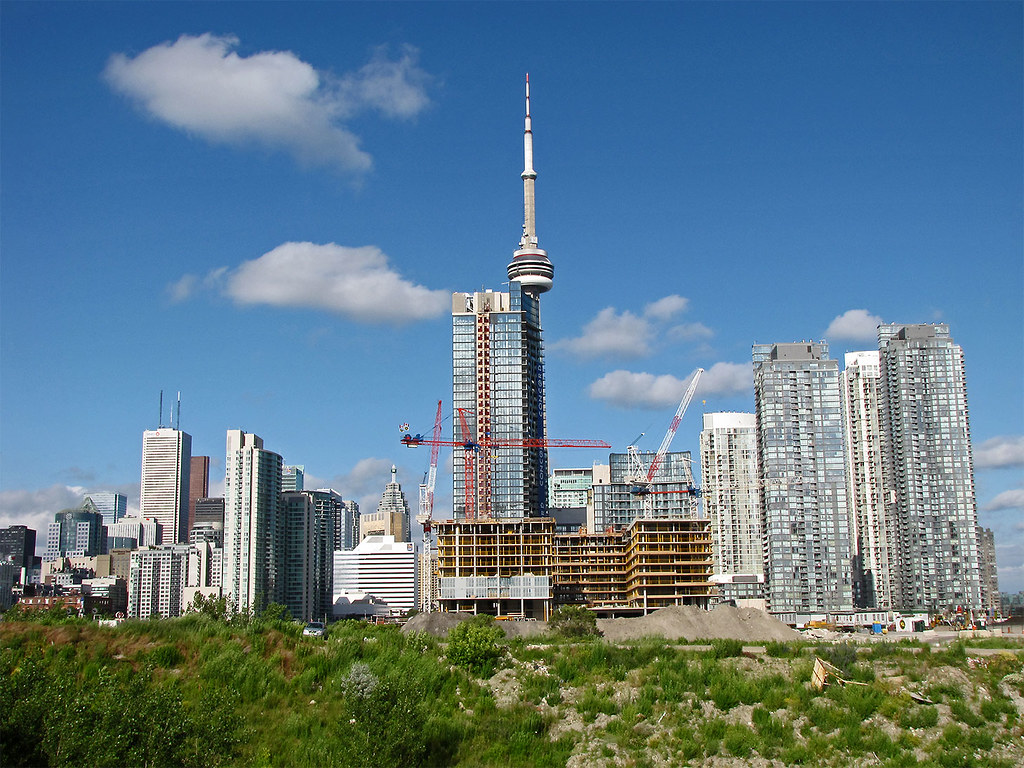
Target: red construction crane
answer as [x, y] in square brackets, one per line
[472, 446]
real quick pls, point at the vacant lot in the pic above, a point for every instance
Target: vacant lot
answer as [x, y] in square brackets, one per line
[197, 691]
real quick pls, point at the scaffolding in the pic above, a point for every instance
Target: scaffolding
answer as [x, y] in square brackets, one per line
[522, 568]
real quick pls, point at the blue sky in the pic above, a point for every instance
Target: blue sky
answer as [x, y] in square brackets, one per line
[266, 205]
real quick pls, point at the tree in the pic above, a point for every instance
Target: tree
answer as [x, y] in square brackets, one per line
[574, 621]
[473, 645]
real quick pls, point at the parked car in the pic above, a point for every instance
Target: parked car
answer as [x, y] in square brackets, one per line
[314, 629]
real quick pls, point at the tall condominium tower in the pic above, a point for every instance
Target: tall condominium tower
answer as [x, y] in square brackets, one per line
[728, 467]
[872, 533]
[198, 485]
[166, 471]
[802, 476]
[928, 466]
[498, 380]
[989, 574]
[252, 522]
[296, 559]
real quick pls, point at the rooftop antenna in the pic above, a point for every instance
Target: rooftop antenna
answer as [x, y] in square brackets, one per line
[178, 418]
[160, 421]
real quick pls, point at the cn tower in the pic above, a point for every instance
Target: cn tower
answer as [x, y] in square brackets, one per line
[530, 265]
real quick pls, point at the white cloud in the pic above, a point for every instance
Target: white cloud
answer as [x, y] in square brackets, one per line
[355, 282]
[199, 84]
[368, 476]
[1000, 452]
[727, 379]
[855, 325]
[611, 335]
[627, 389]
[666, 308]
[1011, 499]
[628, 335]
[690, 332]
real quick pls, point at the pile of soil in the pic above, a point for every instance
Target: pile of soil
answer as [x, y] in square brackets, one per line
[675, 623]
[685, 622]
[437, 624]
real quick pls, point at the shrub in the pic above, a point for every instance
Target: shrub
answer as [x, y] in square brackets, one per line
[574, 621]
[724, 648]
[473, 645]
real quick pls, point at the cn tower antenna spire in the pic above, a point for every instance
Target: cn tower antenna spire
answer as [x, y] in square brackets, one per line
[530, 265]
[529, 239]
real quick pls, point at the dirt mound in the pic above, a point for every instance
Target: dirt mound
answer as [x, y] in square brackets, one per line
[437, 624]
[686, 622]
[690, 623]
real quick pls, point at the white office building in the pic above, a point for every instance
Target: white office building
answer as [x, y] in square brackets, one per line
[379, 566]
[166, 470]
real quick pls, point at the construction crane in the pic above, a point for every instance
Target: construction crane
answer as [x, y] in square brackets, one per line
[643, 478]
[426, 508]
[473, 446]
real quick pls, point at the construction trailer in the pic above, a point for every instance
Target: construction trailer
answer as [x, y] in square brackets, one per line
[522, 568]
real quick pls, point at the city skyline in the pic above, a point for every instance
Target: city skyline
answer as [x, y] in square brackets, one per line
[744, 152]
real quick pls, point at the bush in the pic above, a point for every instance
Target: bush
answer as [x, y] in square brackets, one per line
[574, 621]
[473, 645]
[722, 648]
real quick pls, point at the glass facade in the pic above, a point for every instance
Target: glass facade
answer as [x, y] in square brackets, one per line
[928, 468]
[800, 445]
[498, 396]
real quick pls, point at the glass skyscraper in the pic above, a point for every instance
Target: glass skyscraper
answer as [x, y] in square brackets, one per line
[498, 395]
[928, 468]
[801, 464]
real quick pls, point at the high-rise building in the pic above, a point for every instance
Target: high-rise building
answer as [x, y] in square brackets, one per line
[293, 477]
[113, 506]
[928, 468]
[252, 522]
[569, 488]
[156, 582]
[133, 533]
[166, 472]
[17, 546]
[296, 559]
[198, 485]
[76, 533]
[392, 515]
[989, 573]
[802, 476]
[209, 510]
[498, 380]
[728, 467]
[346, 525]
[329, 512]
[672, 494]
[872, 533]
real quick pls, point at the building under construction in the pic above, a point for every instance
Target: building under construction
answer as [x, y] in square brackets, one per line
[523, 568]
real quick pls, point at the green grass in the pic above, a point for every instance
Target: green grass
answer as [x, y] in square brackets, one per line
[202, 691]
